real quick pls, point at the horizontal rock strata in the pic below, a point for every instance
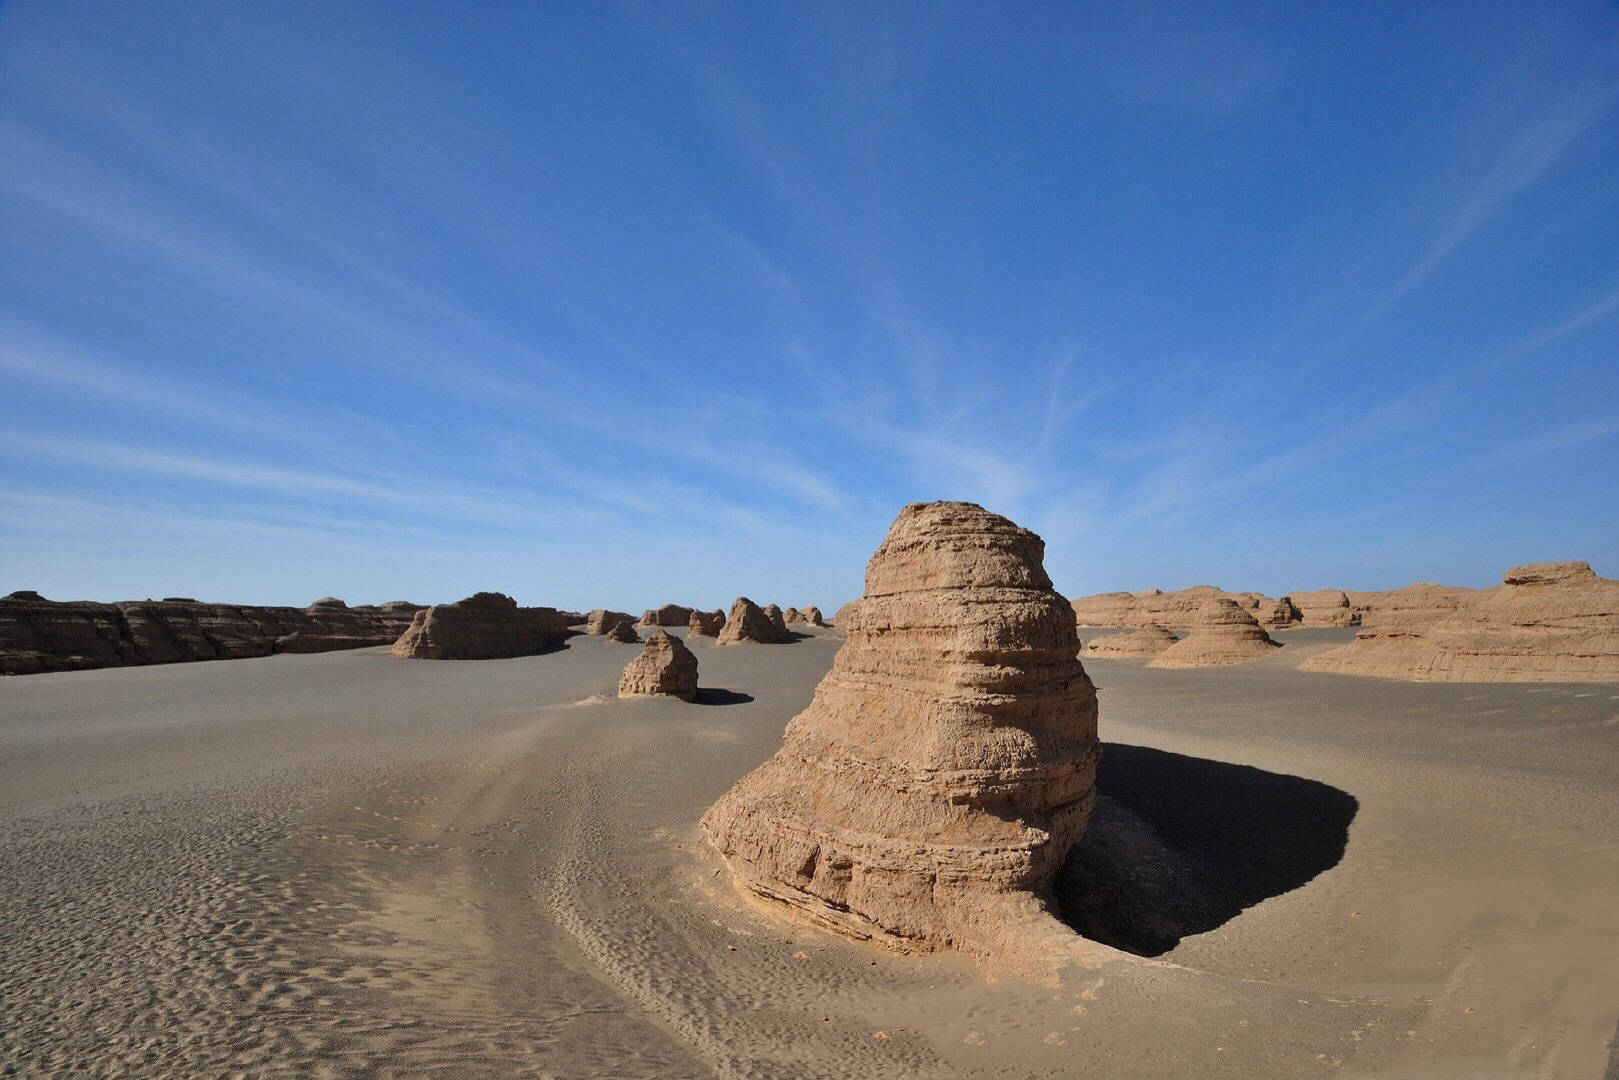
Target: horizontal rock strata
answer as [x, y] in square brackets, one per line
[485, 626]
[1141, 643]
[748, 622]
[1224, 634]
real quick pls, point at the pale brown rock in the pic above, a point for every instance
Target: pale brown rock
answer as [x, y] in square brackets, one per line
[624, 633]
[667, 615]
[706, 623]
[600, 621]
[38, 635]
[811, 616]
[1408, 606]
[1181, 608]
[665, 666]
[1547, 622]
[1324, 607]
[927, 795]
[777, 619]
[1138, 644]
[1223, 634]
[792, 615]
[844, 614]
[748, 622]
[484, 626]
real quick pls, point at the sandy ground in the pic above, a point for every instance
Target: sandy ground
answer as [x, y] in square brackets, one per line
[345, 865]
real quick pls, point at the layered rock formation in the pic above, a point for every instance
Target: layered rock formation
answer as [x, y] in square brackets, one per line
[748, 622]
[792, 615]
[667, 615]
[706, 623]
[1223, 634]
[1181, 608]
[484, 626]
[601, 620]
[945, 766]
[1138, 644]
[1547, 622]
[777, 619]
[38, 635]
[624, 633]
[845, 614]
[1411, 605]
[811, 616]
[665, 666]
[1324, 607]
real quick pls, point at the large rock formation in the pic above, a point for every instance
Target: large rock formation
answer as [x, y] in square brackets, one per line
[945, 766]
[624, 633]
[667, 615]
[601, 620]
[811, 616]
[748, 622]
[1138, 644]
[1411, 605]
[792, 615]
[39, 635]
[776, 617]
[1324, 607]
[484, 626]
[706, 623]
[845, 614]
[665, 666]
[1181, 608]
[1547, 622]
[1223, 634]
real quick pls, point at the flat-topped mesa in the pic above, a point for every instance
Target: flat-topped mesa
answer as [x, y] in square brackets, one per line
[811, 616]
[1547, 622]
[485, 626]
[1324, 607]
[748, 622]
[667, 615]
[1138, 644]
[624, 633]
[946, 764]
[601, 620]
[1181, 608]
[1224, 634]
[665, 666]
[37, 634]
[705, 623]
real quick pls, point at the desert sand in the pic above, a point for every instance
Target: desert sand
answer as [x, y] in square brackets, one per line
[346, 865]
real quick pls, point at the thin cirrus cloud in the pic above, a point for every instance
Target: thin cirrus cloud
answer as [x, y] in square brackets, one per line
[344, 296]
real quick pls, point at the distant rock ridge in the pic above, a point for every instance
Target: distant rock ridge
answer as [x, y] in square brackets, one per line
[665, 667]
[667, 615]
[484, 626]
[1141, 643]
[1546, 622]
[601, 620]
[929, 792]
[624, 633]
[40, 635]
[1324, 607]
[1181, 608]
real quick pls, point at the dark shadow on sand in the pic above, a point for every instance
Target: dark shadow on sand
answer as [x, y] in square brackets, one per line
[1179, 845]
[708, 695]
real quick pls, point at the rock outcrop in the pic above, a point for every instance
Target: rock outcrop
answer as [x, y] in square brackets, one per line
[665, 666]
[792, 615]
[1324, 607]
[484, 626]
[777, 619]
[1223, 634]
[811, 616]
[601, 620]
[845, 614]
[624, 633]
[667, 615]
[1181, 608]
[38, 635]
[748, 622]
[1547, 622]
[1141, 643]
[1409, 606]
[946, 764]
[706, 623]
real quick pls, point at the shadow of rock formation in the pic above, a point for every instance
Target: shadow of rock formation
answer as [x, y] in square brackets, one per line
[1179, 845]
[709, 695]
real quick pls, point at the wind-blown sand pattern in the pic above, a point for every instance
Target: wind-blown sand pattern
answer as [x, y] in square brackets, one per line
[928, 794]
[340, 865]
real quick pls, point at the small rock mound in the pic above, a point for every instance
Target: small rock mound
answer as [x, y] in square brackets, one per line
[706, 623]
[929, 792]
[777, 618]
[485, 626]
[624, 633]
[812, 616]
[665, 666]
[601, 620]
[749, 622]
[1224, 634]
[1137, 644]
[1324, 607]
[667, 615]
[792, 615]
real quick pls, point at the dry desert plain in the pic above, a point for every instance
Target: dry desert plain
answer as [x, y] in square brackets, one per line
[347, 865]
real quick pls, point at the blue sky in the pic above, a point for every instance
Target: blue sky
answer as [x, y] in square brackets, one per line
[615, 305]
